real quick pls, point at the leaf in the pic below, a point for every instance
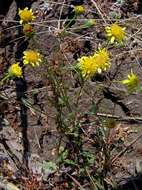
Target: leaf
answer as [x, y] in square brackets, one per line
[70, 162]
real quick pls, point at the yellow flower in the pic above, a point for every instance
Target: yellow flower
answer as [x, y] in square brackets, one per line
[15, 70]
[31, 57]
[101, 60]
[131, 82]
[90, 65]
[26, 15]
[115, 33]
[79, 9]
[27, 28]
[87, 66]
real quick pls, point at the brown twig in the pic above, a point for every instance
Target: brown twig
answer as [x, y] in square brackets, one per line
[126, 118]
[75, 181]
[98, 9]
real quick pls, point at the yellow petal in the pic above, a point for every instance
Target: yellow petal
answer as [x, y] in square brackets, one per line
[126, 81]
[112, 40]
[25, 62]
[99, 70]
[109, 34]
[108, 28]
[21, 21]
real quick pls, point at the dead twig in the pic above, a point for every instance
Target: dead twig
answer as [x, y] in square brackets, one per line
[75, 181]
[98, 9]
[120, 118]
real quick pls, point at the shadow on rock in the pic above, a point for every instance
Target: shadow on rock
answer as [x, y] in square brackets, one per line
[133, 183]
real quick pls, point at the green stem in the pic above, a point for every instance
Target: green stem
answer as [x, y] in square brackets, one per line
[66, 27]
[4, 79]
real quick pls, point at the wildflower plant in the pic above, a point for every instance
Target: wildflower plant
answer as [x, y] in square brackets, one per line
[77, 122]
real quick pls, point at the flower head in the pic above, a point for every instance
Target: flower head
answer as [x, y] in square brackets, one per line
[131, 82]
[31, 57]
[87, 66]
[101, 60]
[90, 65]
[110, 123]
[115, 33]
[15, 70]
[79, 9]
[28, 30]
[26, 15]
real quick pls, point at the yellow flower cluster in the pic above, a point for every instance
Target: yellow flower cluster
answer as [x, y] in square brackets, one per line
[30, 57]
[115, 33]
[100, 61]
[26, 16]
[90, 65]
